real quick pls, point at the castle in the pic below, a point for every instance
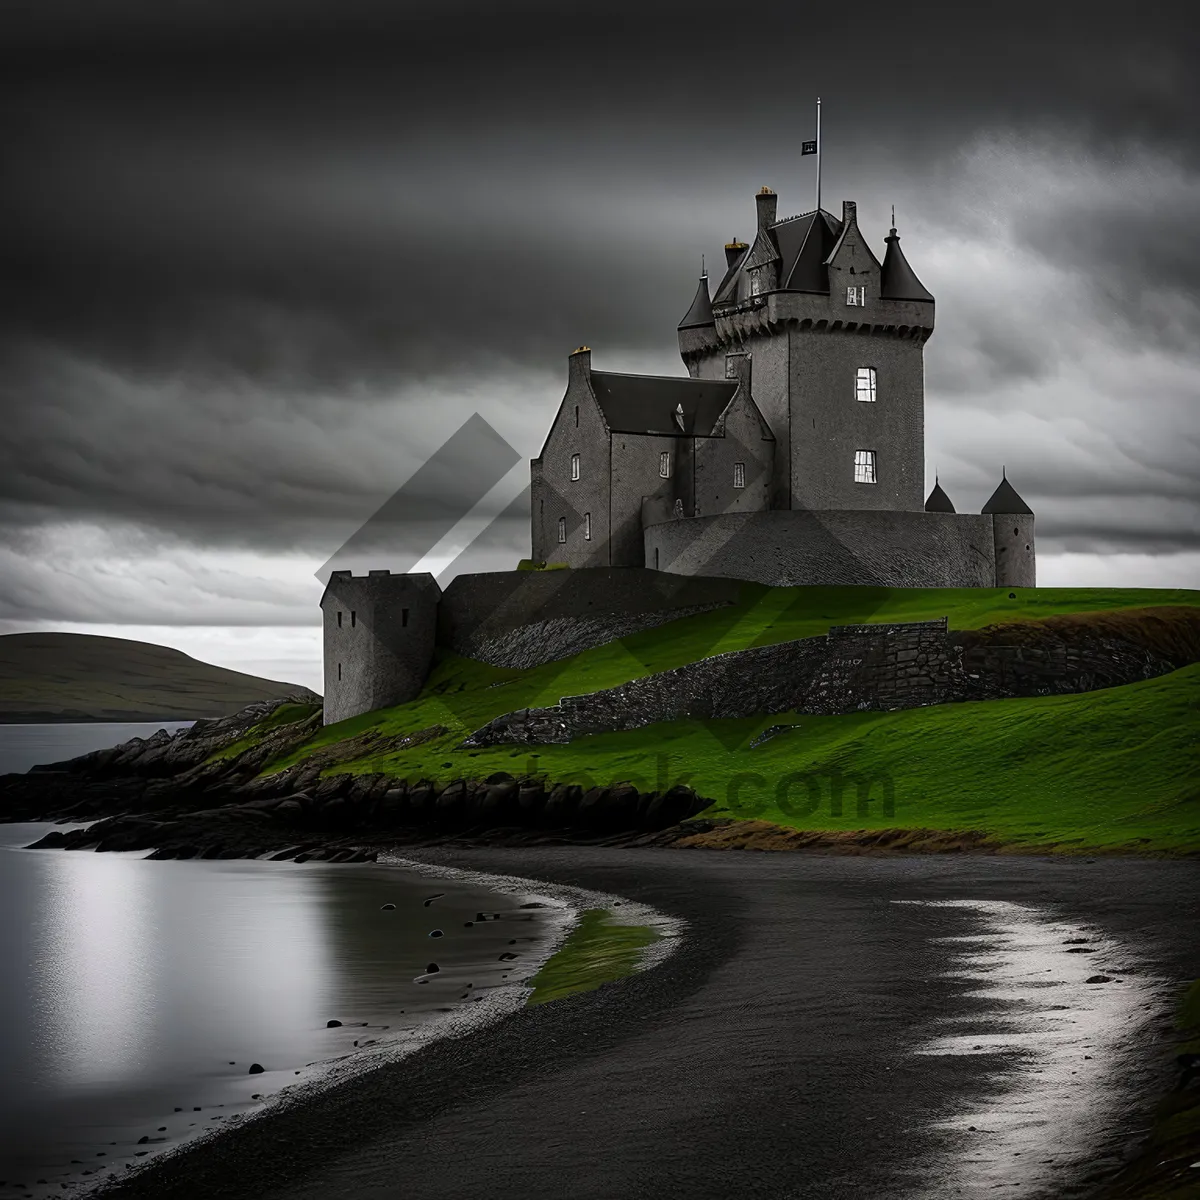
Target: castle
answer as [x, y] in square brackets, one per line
[791, 453]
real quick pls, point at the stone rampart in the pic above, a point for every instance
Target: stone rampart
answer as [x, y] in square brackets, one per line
[830, 547]
[853, 668]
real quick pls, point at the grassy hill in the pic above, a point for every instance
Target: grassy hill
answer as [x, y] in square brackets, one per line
[80, 677]
[1111, 769]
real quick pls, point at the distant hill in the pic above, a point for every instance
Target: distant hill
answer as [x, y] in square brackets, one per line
[80, 677]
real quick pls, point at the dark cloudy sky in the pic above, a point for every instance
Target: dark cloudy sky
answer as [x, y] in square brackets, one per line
[259, 259]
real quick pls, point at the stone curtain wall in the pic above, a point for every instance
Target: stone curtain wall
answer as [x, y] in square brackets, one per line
[853, 668]
[524, 618]
[839, 547]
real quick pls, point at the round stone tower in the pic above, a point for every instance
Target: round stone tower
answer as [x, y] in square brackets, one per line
[1012, 536]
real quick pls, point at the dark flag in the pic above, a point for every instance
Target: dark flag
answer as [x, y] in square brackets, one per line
[808, 148]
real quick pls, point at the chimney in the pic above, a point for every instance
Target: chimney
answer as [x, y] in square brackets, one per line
[733, 251]
[849, 212]
[766, 201]
[579, 364]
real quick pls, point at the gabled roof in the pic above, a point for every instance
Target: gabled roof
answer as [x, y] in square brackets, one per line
[1005, 500]
[805, 244]
[649, 403]
[763, 251]
[700, 313]
[898, 280]
[726, 292]
[938, 501]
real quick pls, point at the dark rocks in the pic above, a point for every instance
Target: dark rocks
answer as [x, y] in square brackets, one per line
[256, 1069]
[387, 907]
[430, 899]
[436, 933]
[432, 969]
[1099, 979]
[333, 1024]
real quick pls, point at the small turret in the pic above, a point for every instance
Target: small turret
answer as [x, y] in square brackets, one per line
[898, 281]
[1012, 535]
[937, 500]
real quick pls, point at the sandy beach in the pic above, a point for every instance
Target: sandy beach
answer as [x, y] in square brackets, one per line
[828, 1027]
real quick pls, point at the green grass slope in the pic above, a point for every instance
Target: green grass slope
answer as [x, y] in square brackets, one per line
[81, 677]
[1109, 769]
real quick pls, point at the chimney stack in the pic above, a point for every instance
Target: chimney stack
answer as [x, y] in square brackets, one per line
[849, 212]
[733, 251]
[767, 202]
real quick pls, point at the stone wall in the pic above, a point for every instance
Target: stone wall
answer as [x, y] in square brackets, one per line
[872, 549]
[378, 640]
[853, 668]
[523, 618]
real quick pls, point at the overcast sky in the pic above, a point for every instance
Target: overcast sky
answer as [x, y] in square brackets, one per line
[260, 259]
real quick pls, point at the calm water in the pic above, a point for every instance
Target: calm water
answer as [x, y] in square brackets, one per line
[24, 746]
[130, 988]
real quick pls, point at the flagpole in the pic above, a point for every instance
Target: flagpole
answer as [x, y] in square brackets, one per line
[818, 154]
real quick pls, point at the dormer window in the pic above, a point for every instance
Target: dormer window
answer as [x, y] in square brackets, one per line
[664, 464]
[755, 283]
[739, 475]
[864, 384]
[574, 466]
[856, 295]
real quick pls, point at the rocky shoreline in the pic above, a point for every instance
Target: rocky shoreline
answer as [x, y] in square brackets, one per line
[197, 794]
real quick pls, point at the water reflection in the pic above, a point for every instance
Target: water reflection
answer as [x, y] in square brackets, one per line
[130, 989]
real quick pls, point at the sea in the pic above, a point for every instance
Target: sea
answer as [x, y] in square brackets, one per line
[139, 998]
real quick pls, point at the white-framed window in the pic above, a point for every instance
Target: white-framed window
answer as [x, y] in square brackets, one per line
[562, 529]
[856, 295]
[574, 466]
[755, 282]
[864, 466]
[587, 527]
[664, 464]
[739, 475]
[864, 384]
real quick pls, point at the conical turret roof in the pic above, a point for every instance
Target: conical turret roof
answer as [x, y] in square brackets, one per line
[898, 280]
[701, 312]
[1005, 500]
[938, 501]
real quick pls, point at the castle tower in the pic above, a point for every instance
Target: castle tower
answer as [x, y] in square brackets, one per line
[378, 639]
[837, 342]
[1012, 533]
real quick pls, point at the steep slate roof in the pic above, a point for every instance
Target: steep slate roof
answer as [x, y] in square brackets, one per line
[898, 280]
[647, 403]
[809, 241]
[803, 243]
[938, 501]
[726, 292]
[700, 313]
[1004, 500]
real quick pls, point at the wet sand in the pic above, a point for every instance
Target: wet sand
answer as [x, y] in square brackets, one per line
[809, 1037]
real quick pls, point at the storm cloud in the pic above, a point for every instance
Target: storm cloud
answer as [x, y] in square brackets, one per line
[258, 261]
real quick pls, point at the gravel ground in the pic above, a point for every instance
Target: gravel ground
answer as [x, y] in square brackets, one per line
[781, 1051]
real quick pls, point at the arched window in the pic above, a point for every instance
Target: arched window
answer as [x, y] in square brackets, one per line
[562, 529]
[864, 384]
[739, 475]
[574, 466]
